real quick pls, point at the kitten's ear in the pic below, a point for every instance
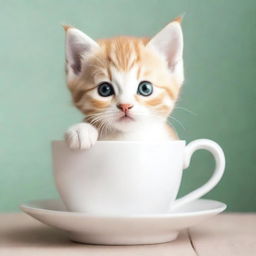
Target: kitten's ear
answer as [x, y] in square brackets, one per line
[169, 43]
[78, 47]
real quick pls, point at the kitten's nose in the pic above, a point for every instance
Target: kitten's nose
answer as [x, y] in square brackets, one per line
[124, 107]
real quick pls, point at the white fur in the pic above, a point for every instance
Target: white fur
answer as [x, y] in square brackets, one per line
[81, 136]
[144, 132]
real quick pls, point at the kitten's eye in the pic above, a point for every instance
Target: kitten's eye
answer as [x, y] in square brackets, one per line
[105, 89]
[145, 88]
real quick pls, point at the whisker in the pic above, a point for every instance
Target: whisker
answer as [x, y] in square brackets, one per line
[179, 122]
[186, 110]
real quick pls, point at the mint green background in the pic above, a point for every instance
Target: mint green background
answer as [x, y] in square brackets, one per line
[220, 87]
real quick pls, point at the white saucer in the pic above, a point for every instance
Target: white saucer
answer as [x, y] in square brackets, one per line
[134, 229]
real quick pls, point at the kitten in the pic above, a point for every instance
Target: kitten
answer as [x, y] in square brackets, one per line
[125, 86]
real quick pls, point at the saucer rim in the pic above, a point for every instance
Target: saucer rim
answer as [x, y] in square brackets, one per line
[28, 208]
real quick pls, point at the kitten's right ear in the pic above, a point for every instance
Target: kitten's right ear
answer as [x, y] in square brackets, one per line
[78, 47]
[169, 43]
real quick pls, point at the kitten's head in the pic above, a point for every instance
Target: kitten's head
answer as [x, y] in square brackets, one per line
[123, 82]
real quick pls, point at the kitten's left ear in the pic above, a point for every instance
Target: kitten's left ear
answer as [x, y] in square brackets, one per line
[169, 43]
[79, 46]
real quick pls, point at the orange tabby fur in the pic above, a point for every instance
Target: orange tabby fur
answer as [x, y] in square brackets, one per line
[124, 53]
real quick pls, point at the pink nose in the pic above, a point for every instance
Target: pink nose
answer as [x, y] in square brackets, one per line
[124, 107]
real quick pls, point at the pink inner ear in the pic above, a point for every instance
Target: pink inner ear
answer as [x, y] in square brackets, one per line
[76, 52]
[78, 45]
[169, 43]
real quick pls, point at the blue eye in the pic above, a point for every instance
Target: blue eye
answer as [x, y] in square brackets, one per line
[105, 89]
[145, 88]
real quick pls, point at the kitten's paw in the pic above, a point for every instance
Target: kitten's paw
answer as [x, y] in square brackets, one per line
[81, 136]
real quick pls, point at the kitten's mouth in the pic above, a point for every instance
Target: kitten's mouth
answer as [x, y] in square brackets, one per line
[126, 118]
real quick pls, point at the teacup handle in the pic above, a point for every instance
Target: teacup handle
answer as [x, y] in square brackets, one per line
[219, 157]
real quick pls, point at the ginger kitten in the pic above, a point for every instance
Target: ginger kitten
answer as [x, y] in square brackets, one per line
[125, 86]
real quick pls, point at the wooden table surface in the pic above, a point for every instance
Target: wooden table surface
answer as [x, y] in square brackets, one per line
[226, 234]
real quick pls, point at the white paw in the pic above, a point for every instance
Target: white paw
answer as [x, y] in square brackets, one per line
[81, 136]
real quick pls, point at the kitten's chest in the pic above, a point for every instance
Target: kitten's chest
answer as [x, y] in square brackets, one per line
[148, 133]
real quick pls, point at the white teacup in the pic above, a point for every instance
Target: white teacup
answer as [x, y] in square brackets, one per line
[122, 177]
